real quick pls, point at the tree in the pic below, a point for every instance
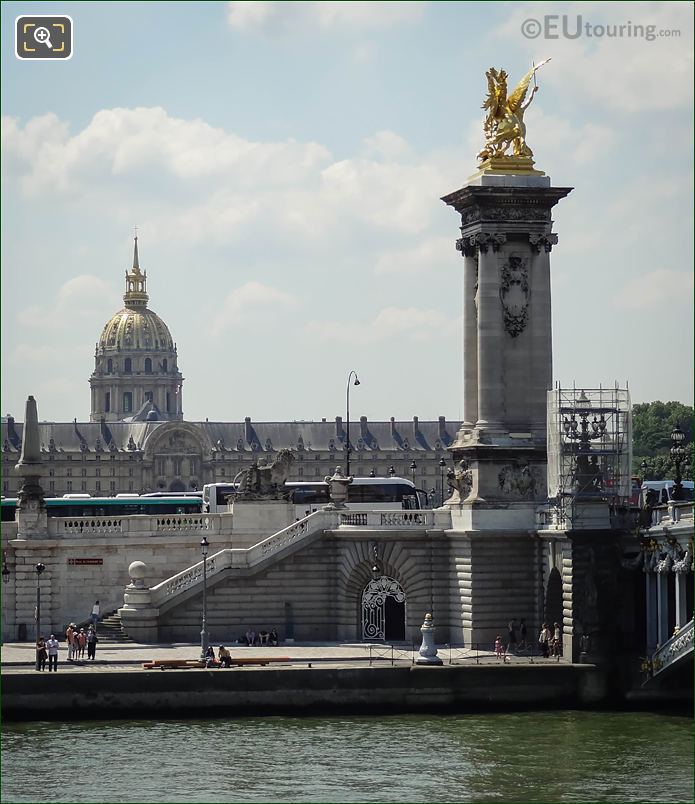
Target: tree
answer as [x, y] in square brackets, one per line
[652, 423]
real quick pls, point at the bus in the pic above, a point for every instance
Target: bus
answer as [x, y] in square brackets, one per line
[662, 491]
[74, 505]
[364, 494]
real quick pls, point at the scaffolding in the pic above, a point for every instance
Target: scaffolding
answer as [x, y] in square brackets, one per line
[589, 452]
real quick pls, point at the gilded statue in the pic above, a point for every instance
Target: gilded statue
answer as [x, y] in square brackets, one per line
[504, 125]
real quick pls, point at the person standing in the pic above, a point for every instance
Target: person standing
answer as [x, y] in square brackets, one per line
[81, 642]
[511, 636]
[523, 642]
[41, 654]
[52, 646]
[70, 637]
[91, 643]
[96, 612]
[557, 640]
[543, 639]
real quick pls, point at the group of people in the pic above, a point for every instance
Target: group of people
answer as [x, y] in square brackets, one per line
[47, 649]
[261, 638]
[224, 657]
[80, 640]
[549, 640]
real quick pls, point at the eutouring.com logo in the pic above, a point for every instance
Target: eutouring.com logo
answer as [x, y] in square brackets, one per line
[567, 26]
[43, 37]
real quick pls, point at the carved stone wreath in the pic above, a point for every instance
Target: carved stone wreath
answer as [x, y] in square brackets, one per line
[514, 294]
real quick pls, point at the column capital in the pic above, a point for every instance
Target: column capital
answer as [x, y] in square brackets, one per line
[542, 242]
[469, 245]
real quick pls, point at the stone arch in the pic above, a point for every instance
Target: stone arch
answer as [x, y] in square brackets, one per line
[398, 560]
[552, 610]
[165, 437]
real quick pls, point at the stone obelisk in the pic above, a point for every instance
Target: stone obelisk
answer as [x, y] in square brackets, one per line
[31, 510]
[500, 451]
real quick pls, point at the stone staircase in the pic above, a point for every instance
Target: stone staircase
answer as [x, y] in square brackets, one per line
[110, 630]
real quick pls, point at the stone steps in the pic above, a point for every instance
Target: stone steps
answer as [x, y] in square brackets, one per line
[110, 629]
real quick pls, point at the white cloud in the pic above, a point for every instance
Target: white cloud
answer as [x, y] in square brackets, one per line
[250, 303]
[281, 17]
[628, 73]
[660, 287]
[120, 141]
[83, 298]
[404, 323]
[420, 259]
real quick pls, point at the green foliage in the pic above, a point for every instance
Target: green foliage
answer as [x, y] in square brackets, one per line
[652, 423]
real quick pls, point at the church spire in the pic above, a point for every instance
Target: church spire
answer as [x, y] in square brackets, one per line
[135, 282]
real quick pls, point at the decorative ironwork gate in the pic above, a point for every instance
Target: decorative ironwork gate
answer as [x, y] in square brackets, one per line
[374, 599]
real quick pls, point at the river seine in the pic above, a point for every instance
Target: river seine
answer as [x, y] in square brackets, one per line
[567, 756]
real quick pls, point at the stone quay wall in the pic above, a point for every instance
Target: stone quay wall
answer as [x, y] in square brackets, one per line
[295, 690]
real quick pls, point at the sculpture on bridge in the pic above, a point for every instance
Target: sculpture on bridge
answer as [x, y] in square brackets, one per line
[266, 482]
[504, 125]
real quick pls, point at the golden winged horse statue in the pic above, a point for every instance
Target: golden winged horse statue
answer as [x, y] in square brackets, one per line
[504, 125]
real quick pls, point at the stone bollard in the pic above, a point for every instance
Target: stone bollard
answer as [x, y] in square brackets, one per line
[428, 650]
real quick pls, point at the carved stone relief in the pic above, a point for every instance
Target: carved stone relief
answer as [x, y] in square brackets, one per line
[514, 294]
[521, 480]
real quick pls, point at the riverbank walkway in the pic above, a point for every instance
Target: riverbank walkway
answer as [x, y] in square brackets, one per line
[20, 657]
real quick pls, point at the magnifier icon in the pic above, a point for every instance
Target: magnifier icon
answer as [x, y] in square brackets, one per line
[42, 36]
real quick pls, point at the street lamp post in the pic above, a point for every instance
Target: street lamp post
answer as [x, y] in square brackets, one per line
[347, 428]
[413, 467]
[392, 471]
[204, 545]
[442, 464]
[39, 568]
[678, 456]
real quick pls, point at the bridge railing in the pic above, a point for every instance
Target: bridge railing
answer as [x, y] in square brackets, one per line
[670, 652]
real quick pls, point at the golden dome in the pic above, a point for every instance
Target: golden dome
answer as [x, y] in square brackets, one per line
[135, 329]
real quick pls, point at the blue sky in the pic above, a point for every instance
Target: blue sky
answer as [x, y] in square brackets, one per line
[284, 164]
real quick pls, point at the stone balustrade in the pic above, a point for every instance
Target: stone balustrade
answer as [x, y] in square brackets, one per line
[212, 524]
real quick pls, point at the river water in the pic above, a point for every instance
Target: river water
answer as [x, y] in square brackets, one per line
[565, 756]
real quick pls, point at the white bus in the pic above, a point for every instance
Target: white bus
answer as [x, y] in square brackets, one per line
[364, 494]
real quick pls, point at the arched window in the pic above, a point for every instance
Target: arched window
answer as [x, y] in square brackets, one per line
[109, 366]
[148, 365]
[168, 402]
[164, 366]
[128, 366]
[127, 402]
[107, 402]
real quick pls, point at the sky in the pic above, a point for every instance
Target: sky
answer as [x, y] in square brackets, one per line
[284, 164]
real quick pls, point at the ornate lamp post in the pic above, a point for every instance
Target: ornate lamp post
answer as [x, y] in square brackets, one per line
[204, 545]
[5, 569]
[442, 464]
[347, 429]
[392, 471]
[413, 467]
[677, 456]
[583, 432]
[645, 468]
[39, 568]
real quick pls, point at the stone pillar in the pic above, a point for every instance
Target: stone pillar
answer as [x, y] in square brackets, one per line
[470, 337]
[651, 611]
[506, 221]
[490, 381]
[662, 634]
[681, 604]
